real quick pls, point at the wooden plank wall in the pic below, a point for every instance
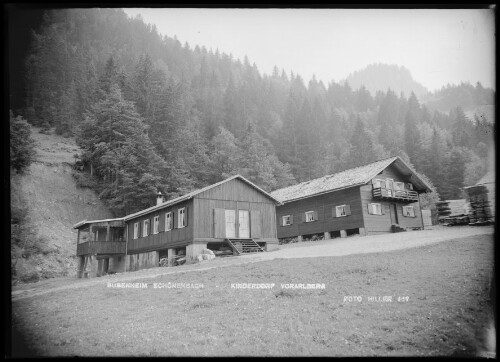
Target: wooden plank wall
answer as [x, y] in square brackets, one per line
[204, 220]
[382, 223]
[164, 239]
[323, 204]
[235, 190]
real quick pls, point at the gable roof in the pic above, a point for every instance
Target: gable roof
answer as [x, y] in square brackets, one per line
[349, 178]
[196, 192]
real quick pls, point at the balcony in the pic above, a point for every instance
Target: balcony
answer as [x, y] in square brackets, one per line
[380, 193]
[101, 247]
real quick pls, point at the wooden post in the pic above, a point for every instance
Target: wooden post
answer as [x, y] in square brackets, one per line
[170, 256]
[327, 235]
[343, 233]
[78, 237]
[299, 238]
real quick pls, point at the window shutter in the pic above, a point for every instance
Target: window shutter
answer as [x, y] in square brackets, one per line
[186, 216]
[334, 212]
[282, 223]
[369, 209]
[303, 217]
[291, 219]
[382, 209]
[403, 211]
[348, 209]
[174, 219]
[315, 215]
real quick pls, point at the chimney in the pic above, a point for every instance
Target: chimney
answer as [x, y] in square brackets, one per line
[159, 198]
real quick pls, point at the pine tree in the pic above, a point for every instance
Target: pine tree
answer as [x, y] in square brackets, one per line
[22, 151]
[115, 144]
[362, 148]
[411, 133]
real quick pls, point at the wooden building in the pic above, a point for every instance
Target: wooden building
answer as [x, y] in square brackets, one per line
[234, 212]
[101, 247]
[380, 197]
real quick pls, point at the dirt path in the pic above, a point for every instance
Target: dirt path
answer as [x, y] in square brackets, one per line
[336, 247]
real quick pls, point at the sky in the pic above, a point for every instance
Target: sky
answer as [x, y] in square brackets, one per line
[438, 46]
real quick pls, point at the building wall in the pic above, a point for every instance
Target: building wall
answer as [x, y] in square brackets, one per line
[375, 224]
[142, 261]
[262, 213]
[164, 239]
[324, 205]
[235, 195]
[116, 264]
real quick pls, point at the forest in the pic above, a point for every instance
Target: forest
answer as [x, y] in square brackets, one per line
[153, 114]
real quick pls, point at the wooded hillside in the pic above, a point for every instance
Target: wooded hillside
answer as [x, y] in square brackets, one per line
[151, 113]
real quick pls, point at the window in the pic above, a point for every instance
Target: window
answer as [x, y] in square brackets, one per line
[389, 183]
[410, 186]
[342, 210]
[375, 209]
[408, 211]
[156, 223]
[145, 228]
[136, 230]
[310, 216]
[379, 183]
[168, 221]
[181, 221]
[399, 186]
[287, 220]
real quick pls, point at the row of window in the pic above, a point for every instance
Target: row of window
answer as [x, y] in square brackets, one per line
[376, 209]
[345, 210]
[309, 216]
[389, 183]
[169, 223]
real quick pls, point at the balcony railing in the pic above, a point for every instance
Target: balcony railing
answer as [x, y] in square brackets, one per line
[396, 195]
[100, 247]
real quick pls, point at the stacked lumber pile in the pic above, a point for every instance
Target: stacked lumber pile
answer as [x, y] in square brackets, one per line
[453, 212]
[480, 206]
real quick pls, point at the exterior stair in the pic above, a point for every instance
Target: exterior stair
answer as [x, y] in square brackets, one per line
[396, 228]
[244, 246]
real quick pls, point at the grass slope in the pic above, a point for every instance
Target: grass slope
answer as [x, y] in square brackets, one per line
[54, 204]
[447, 286]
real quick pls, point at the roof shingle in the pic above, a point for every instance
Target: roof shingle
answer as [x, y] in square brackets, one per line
[348, 178]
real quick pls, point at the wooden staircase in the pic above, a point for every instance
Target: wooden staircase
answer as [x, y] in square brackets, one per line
[244, 246]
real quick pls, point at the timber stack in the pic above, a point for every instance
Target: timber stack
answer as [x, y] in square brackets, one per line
[480, 206]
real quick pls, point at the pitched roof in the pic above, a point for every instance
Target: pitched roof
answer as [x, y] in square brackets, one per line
[85, 222]
[349, 178]
[196, 192]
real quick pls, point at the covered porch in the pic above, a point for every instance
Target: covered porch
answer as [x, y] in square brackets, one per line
[101, 247]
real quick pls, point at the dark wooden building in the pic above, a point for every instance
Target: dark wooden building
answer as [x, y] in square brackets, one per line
[380, 197]
[233, 212]
[101, 247]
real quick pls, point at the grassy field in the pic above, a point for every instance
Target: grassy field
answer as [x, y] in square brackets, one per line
[448, 306]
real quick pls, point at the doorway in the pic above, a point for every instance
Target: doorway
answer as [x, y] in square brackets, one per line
[230, 223]
[243, 224]
[394, 214]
